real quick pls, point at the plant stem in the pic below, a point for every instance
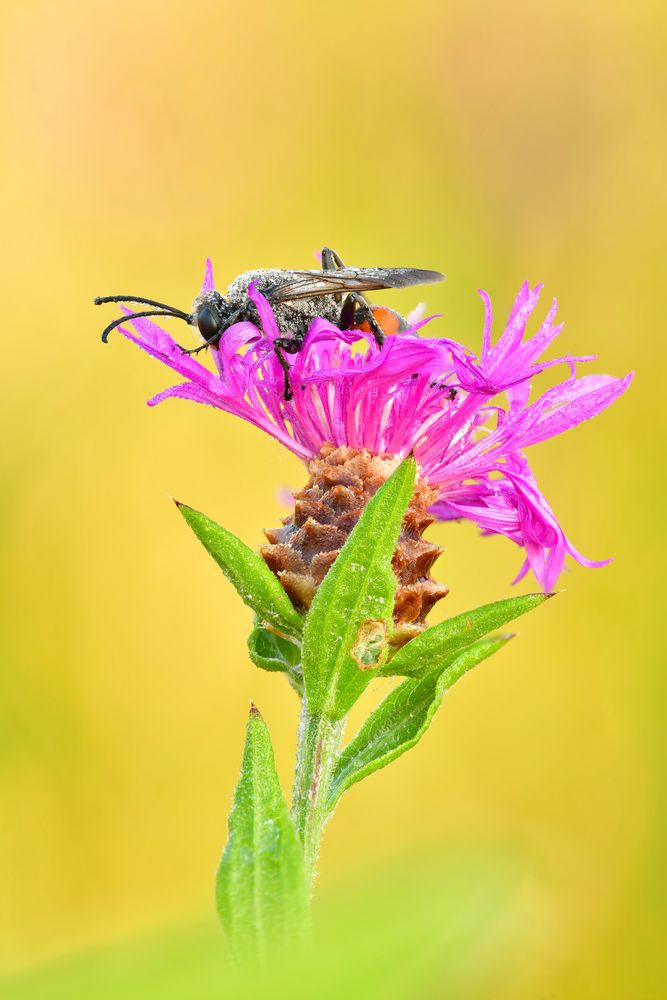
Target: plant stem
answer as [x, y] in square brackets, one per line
[319, 740]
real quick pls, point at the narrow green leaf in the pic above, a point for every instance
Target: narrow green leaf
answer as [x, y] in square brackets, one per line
[261, 886]
[271, 651]
[438, 645]
[254, 581]
[400, 721]
[346, 629]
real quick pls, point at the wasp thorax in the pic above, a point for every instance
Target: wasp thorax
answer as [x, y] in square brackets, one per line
[342, 481]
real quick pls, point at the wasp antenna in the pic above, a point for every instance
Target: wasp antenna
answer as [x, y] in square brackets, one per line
[140, 315]
[102, 299]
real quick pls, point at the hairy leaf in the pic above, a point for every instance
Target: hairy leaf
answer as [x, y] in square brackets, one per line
[254, 581]
[400, 721]
[271, 651]
[437, 646]
[261, 886]
[344, 638]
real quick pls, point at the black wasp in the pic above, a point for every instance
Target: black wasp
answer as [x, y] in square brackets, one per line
[297, 297]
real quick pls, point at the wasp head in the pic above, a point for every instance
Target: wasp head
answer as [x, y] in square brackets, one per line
[210, 313]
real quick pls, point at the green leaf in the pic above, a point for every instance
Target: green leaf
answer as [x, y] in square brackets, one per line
[254, 581]
[438, 645]
[271, 651]
[261, 889]
[346, 630]
[400, 721]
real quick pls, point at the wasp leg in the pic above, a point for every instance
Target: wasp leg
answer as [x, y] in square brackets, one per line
[348, 313]
[280, 345]
[355, 305]
[354, 302]
[331, 261]
[211, 342]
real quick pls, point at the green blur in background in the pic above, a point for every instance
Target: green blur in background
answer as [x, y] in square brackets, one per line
[518, 851]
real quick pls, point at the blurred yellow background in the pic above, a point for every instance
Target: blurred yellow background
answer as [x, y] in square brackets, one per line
[494, 141]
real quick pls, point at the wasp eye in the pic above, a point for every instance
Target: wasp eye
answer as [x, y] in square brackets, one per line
[208, 323]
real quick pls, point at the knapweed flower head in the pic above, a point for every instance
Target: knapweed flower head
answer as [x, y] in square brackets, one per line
[466, 418]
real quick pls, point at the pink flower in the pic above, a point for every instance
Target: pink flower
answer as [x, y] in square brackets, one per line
[431, 397]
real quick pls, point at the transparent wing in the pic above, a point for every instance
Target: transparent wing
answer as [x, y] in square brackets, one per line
[311, 284]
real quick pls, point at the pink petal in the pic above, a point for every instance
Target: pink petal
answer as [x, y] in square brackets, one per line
[208, 284]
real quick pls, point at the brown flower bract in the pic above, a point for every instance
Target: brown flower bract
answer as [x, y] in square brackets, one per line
[342, 481]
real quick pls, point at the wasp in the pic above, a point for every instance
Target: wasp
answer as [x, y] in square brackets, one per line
[335, 293]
